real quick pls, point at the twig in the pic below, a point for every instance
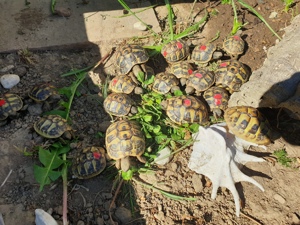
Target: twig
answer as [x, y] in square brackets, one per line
[6, 178]
[250, 218]
[113, 200]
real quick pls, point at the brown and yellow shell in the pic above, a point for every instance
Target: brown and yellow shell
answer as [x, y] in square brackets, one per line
[248, 123]
[88, 163]
[202, 54]
[216, 98]
[9, 105]
[175, 51]
[124, 138]
[128, 56]
[182, 69]
[51, 126]
[41, 92]
[122, 84]
[231, 75]
[185, 109]
[199, 81]
[164, 83]
[118, 104]
[234, 45]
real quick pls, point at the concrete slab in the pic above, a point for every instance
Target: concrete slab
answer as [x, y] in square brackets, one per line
[34, 27]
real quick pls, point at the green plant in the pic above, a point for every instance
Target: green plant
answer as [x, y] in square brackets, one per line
[283, 158]
[237, 25]
[287, 4]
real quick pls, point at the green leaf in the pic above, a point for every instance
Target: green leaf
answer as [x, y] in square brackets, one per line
[194, 128]
[56, 112]
[156, 129]
[147, 118]
[43, 176]
[127, 175]
[178, 93]
[50, 159]
[149, 80]
[141, 77]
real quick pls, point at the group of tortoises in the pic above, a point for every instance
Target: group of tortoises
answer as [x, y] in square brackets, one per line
[204, 91]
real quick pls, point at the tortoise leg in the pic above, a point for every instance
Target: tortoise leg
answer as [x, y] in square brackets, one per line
[125, 163]
[141, 159]
[118, 164]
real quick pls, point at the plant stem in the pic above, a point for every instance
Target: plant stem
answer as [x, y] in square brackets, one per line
[170, 19]
[65, 192]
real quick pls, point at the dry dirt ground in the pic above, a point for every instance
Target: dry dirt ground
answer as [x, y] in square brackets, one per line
[89, 201]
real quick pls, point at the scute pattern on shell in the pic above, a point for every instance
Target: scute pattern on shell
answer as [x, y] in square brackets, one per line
[182, 69]
[216, 98]
[203, 53]
[200, 81]
[88, 163]
[9, 104]
[51, 126]
[41, 92]
[185, 109]
[248, 123]
[234, 45]
[122, 84]
[231, 75]
[124, 138]
[128, 56]
[118, 104]
[164, 82]
[175, 51]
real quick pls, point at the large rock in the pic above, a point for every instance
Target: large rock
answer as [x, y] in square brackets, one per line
[277, 83]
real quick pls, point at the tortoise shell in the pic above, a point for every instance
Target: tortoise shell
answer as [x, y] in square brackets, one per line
[248, 123]
[51, 126]
[182, 70]
[234, 46]
[217, 99]
[185, 109]
[124, 84]
[124, 138]
[202, 54]
[164, 83]
[88, 163]
[231, 75]
[128, 56]
[175, 51]
[118, 104]
[199, 81]
[9, 105]
[41, 92]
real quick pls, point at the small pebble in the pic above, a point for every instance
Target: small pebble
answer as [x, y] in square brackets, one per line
[273, 15]
[163, 156]
[9, 80]
[80, 222]
[44, 218]
[279, 198]
[123, 214]
[140, 26]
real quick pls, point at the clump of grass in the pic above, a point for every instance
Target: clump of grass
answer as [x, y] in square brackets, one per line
[287, 4]
[282, 157]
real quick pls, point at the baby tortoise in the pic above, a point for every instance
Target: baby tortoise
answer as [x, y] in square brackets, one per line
[185, 109]
[52, 126]
[125, 138]
[119, 104]
[88, 163]
[248, 123]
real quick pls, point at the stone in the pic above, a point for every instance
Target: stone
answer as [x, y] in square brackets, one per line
[123, 214]
[163, 156]
[9, 80]
[279, 198]
[273, 15]
[44, 218]
[140, 26]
